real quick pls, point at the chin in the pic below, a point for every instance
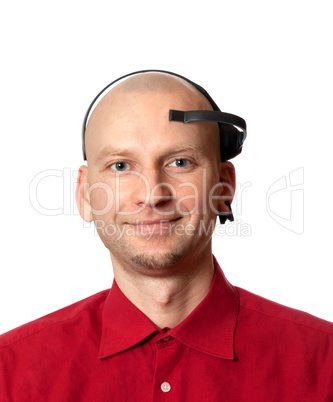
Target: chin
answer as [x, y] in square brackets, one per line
[157, 260]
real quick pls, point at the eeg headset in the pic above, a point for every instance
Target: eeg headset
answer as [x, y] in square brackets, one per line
[231, 127]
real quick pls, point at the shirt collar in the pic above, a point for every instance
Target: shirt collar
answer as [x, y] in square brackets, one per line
[124, 325]
[210, 328]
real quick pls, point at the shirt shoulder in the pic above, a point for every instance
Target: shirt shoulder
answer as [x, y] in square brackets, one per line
[52, 321]
[281, 314]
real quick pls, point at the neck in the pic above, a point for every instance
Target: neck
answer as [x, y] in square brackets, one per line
[166, 300]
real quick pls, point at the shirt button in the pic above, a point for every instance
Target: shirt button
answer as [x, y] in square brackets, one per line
[165, 387]
[166, 338]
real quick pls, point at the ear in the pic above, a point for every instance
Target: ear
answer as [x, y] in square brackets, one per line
[82, 195]
[228, 181]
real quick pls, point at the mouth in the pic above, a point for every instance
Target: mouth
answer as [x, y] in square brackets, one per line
[154, 226]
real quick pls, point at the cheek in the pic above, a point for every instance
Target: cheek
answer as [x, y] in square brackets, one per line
[214, 195]
[123, 192]
[200, 196]
[192, 196]
[102, 199]
[106, 199]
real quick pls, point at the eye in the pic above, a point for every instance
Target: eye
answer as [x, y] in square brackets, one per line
[180, 163]
[120, 166]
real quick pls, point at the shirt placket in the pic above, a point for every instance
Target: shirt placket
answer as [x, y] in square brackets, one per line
[166, 375]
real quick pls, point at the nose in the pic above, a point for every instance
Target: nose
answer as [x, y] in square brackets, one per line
[153, 188]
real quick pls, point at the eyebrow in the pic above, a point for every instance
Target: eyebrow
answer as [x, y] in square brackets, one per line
[110, 151]
[184, 148]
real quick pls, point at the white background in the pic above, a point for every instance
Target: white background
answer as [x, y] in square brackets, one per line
[269, 62]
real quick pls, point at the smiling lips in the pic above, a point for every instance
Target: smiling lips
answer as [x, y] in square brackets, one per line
[151, 226]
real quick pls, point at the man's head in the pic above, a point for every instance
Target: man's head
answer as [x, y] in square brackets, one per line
[153, 186]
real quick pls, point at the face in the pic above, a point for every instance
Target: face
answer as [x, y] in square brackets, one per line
[151, 185]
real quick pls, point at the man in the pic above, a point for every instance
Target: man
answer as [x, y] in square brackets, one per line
[171, 327]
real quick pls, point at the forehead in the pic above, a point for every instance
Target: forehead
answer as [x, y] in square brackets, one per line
[130, 116]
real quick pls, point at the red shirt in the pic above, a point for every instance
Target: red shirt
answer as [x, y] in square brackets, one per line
[235, 346]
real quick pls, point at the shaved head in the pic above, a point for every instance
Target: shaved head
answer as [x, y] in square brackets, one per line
[156, 82]
[159, 82]
[146, 84]
[150, 82]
